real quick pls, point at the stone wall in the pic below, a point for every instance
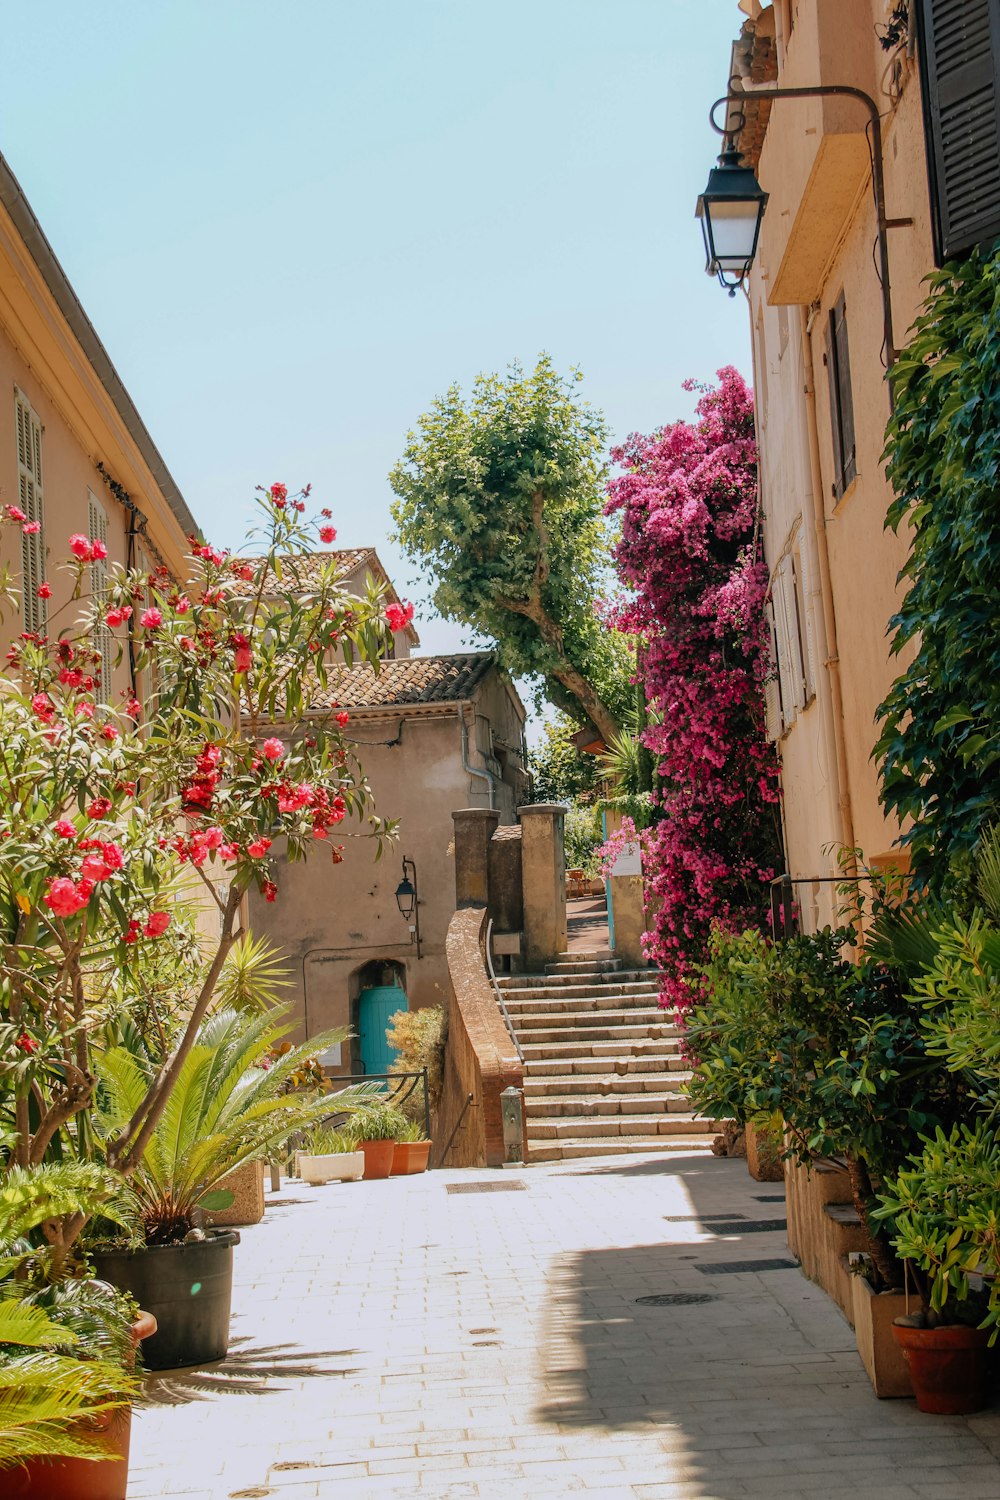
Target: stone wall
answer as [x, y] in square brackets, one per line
[480, 1058]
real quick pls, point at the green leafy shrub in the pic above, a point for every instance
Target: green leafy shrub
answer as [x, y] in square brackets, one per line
[583, 839]
[383, 1122]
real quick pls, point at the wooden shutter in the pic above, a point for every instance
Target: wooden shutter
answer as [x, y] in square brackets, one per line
[960, 68]
[772, 689]
[789, 641]
[802, 578]
[104, 645]
[34, 611]
[838, 364]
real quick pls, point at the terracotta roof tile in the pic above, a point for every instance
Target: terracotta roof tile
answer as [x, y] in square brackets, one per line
[412, 680]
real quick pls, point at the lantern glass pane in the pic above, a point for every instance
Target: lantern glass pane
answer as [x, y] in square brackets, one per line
[734, 232]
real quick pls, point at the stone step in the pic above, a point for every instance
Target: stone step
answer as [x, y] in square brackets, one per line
[544, 1032]
[556, 1106]
[587, 979]
[572, 1150]
[581, 1127]
[543, 1068]
[616, 1047]
[604, 1085]
[573, 1022]
[634, 990]
[577, 965]
[584, 1005]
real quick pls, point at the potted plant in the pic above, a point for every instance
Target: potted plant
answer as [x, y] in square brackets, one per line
[67, 1345]
[231, 1104]
[412, 1151]
[376, 1133]
[329, 1155]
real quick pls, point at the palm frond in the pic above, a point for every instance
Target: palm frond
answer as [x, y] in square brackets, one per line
[988, 870]
[29, 1195]
[254, 975]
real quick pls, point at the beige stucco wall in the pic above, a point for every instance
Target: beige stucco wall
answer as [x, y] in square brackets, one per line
[813, 155]
[329, 921]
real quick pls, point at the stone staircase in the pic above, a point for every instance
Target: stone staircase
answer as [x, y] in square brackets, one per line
[603, 1072]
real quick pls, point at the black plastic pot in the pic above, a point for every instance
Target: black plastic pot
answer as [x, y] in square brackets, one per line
[187, 1288]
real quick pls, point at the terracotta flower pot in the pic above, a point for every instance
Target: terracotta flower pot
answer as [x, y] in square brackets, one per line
[947, 1367]
[84, 1478]
[410, 1156]
[378, 1158]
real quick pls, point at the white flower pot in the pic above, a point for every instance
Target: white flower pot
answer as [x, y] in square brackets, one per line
[347, 1166]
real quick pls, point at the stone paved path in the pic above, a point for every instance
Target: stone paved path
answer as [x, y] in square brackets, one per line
[397, 1339]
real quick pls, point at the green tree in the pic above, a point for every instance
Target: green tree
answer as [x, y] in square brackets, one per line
[560, 773]
[500, 497]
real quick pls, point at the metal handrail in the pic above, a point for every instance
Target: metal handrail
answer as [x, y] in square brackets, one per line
[498, 992]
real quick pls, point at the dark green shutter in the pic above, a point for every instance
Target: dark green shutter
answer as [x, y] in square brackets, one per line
[960, 69]
[838, 368]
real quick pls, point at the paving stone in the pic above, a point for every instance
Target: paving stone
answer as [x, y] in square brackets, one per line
[479, 1346]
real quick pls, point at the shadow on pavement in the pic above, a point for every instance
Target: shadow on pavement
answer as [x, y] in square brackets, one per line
[245, 1371]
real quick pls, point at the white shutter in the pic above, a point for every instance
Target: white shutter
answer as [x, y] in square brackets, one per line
[29, 482]
[783, 645]
[772, 690]
[807, 603]
[104, 645]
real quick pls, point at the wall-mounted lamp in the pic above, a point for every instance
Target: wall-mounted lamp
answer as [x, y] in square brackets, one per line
[409, 902]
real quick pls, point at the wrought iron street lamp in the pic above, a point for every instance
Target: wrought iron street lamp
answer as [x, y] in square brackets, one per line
[732, 206]
[408, 901]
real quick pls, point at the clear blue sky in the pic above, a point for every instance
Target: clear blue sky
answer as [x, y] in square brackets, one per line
[294, 224]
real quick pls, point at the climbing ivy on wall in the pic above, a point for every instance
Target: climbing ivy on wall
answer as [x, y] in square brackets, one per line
[939, 747]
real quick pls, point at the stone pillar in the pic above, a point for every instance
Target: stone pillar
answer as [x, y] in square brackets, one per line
[474, 827]
[543, 882]
[630, 919]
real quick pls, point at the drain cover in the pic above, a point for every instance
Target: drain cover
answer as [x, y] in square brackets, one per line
[745, 1226]
[677, 1299]
[732, 1267]
[509, 1186]
[770, 1197]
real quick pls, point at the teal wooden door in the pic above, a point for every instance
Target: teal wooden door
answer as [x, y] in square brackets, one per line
[375, 1006]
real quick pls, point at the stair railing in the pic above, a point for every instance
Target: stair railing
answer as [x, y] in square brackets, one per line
[498, 992]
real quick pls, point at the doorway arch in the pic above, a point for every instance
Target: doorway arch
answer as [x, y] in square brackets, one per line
[381, 992]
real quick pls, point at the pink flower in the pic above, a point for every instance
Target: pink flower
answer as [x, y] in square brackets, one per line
[258, 848]
[66, 897]
[45, 591]
[229, 852]
[279, 493]
[113, 856]
[133, 708]
[95, 867]
[118, 616]
[14, 513]
[99, 808]
[398, 615]
[80, 547]
[273, 750]
[109, 733]
[182, 604]
[214, 837]
[42, 705]
[150, 619]
[97, 549]
[157, 924]
[31, 528]
[64, 829]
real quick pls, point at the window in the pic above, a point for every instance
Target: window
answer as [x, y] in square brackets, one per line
[960, 69]
[793, 684]
[29, 480]
[104, 645]
[838, 366]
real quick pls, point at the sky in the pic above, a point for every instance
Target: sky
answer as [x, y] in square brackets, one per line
[295, 222]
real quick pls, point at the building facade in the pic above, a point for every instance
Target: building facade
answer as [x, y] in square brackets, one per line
[819, 348]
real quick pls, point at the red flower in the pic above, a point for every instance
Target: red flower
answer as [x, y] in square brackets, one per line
[279, 493]
[31, 528]
[242, 656]
[97, 549]
[343, 718]
[269, 890]
[64, 829]
[273, 750]
[157, 924]
[182, 604]
[110, 733]
[45, 591]
[258, 848]
[118, 616]
[95, 867]
[132, 933]
[99, 808]
[150, 619]
[229, 852]
[42, 705]
[327, 534]
[133, 708]
[326, 514]
[398, 615]
[113, 856]
[80, 547]
[26, 1043]
[66, 897]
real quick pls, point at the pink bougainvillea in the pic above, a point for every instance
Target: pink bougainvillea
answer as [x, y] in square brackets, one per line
[690, 559]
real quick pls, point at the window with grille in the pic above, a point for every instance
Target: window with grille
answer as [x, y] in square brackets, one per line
[960, 70]
[104, 644]
[838, 366]
[29, 481]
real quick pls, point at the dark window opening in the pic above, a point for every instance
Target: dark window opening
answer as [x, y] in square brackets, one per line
[838, 365]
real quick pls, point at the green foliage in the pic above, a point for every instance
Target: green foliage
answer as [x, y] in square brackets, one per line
[382, 1123]
[939, 748]
[583, 838]
[232, 1104]
[500, 499]
[559, 772]
[419, 1038]
[253, 976]
[327, 1140]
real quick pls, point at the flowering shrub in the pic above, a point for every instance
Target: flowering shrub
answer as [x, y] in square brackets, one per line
[106, 801]
[687, 499]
